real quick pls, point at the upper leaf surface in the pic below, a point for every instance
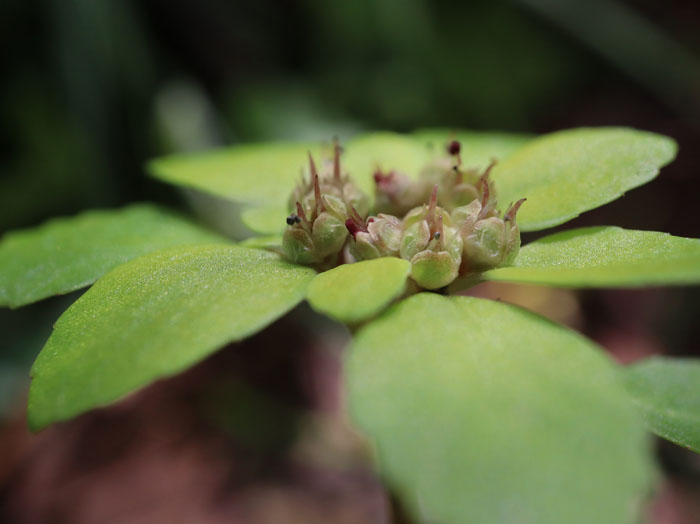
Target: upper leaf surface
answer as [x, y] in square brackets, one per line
[153, 317]
[352, 293]
[668, 392]
[66, 254]
[484, 412]
[566, 173]
[605, 257]
[253, 173]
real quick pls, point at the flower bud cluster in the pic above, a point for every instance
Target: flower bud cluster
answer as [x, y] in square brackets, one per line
[397, 194]
[316, 231]
[458, 231]
[488, 240]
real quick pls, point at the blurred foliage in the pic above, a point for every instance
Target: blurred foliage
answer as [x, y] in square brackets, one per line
[92, 89]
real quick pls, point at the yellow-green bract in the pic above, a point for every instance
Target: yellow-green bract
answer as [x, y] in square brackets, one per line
[484, 412]
[66, 254]
[668, 395]
[153, 317]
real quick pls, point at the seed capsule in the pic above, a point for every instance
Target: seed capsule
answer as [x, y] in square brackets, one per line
[379, 236]
[332, 182]
[316, 233]
[431, 244]
[488, 241]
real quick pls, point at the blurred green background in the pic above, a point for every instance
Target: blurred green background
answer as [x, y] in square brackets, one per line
[92, 89]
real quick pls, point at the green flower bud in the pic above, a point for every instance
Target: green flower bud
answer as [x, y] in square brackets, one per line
[332, 182]
[433, 269]
[415, 239]
[432, 245]
[438, 265]
[466, 216]
[335, 206]
[379, 237]
[328, 235]
[298, 246]
[488, 241]
[316, 233]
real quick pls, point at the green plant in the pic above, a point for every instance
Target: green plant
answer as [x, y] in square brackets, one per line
[479, 411]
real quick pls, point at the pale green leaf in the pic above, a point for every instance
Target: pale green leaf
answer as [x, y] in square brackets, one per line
[270, 242]
[605, 257]
[153, 317]
[566, 173]
[667, 391]
[352, 293]
[260, 174]
[66, 254]
[483, 412]
[266, 220]
[478, 148]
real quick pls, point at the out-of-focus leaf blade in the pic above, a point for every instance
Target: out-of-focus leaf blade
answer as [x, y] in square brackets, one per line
[352, 293]
[153, 317]
[250, 173]
[269, 242]
[566, 173]
[66, 254]
[478, 148]
[484, 412]
[667, 391]
[605, 257]
[266, 220]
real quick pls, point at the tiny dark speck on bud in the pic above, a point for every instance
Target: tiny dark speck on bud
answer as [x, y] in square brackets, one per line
[291, 219]
[437, 234]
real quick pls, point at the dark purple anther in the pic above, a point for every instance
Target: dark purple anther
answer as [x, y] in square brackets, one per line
[454, 147]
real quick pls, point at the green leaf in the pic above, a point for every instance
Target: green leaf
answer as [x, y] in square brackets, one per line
[484, 412]
[667, 391]
[478, 148]
[352, 293]
[153, 317]
[66, 254]
[566, 173]
[266, 220]
[270, 242]
[605, 257]
[252, 173]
